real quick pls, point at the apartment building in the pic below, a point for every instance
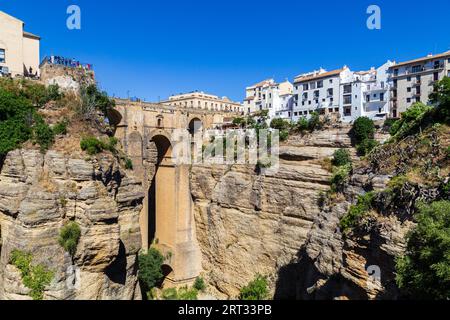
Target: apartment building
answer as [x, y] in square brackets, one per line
[201, 100]
[319, 91]
[413, 81]
[366, 94]
[19, 50]
[270, 95]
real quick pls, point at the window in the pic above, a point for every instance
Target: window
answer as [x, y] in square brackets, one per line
[408, 79]
[2, 56]
[330, 92]
[408, 89]
[368, 98]
[348, 100]
[316, 94]
[305, 86]
[331, 80]
[320, 84]
[381, 96]
[347, 88]
[436, 76]
[417, 69]
[395, 72]
[408, 100]
[313, 85]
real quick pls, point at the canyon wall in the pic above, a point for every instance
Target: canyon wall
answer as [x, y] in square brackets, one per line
[39, 194]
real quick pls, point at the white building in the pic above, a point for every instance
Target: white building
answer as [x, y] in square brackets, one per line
[413, 81]
[271, 96]
[365, 94]
[319, 91]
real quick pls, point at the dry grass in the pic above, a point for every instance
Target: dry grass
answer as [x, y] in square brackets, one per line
[46, 183]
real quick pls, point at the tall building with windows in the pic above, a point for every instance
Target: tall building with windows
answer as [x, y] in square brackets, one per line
[19, 50]
[201, 100]
[272, 96]
[366, 94]
[413, 81]
[319, 91]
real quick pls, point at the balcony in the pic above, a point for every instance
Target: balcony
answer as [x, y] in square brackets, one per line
[377, 87]
[438, 66]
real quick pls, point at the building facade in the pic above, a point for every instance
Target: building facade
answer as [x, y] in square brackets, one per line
[272, 96]
[413, 81]
[319, 91]
[366, 94]
[201, 100]
[19, 50]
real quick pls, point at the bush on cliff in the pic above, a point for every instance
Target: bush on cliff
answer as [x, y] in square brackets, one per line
[363, 129]
[34, 277]
[424, 272]
[150, 268]
[93, 146]
[341, 157]
[69, 237]
[256, 289]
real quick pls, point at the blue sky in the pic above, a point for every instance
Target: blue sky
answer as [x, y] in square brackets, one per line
[155, 48]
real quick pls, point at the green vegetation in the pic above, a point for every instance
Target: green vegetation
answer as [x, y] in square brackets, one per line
[150, 268]
[364, 133]
[409, 118]
[302, 124]
[19, 119]
[280, 124]
[314, 122]
[69, 236]
[94, 146]
[340, 177]
[128, 164]
[424, 272]
[357, 212]
[441, 98]
[35, 278]
[284, 135]
[199, 284]
[366, 147]
[184, 293]
[94, 100]
[256, 289]
[61, 127]
[341, 157]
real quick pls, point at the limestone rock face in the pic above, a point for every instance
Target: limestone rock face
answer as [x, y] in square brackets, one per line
[249, 223]
[39, 194]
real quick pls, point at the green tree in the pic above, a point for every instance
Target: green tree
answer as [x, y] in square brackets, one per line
[441, 97]
[69, 236]
[256, 289]
[150, 268]
[314, 122]
[363, 129]
[341, 157]
[280, 124]
[424, 272]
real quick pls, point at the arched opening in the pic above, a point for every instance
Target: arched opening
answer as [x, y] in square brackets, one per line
[195, 126]
[161, 197]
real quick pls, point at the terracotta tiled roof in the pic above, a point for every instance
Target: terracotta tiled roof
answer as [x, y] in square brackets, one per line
[300, 79]
[249, 98]
[262, 83]
[441, 55]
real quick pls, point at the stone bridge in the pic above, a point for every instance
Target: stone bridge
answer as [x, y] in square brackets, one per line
[167, 218]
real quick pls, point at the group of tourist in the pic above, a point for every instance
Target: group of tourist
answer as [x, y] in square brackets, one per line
[72, 63]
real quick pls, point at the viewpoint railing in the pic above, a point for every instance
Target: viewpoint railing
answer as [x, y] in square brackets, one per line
[66, 62]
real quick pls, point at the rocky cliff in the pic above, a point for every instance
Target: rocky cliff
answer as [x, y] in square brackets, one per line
[40, 193]
[287, 225]
[250, 223]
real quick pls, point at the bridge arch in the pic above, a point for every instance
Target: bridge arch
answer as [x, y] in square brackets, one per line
[195, 125]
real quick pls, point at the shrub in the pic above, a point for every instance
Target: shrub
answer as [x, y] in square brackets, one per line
[36, 93]
[199, 284]
[256, 289]
[340, 178]
[366, 146]
[280, 124]
[187, 294]
[53, 92]
[357, 212]
[61, 127]
[302, 124]
[170, 294]
[36, 278]
[284, 135]
[240, 122]
[314, 122]
[128, 164]
[424, 272]
[42, 133]
[69, 237]
[409, 118]
[341, 157]
[363, 129]
[150, 268]
[91, 145]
